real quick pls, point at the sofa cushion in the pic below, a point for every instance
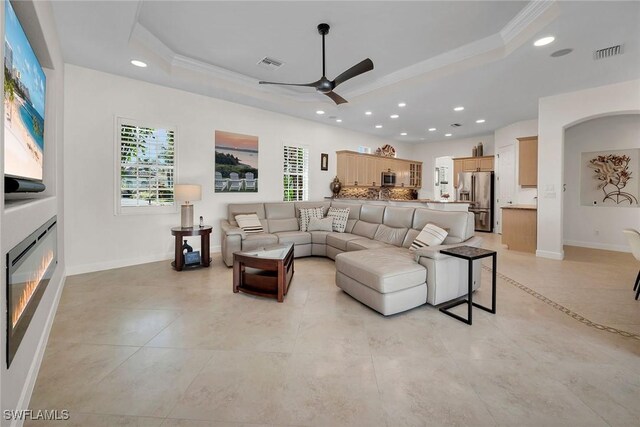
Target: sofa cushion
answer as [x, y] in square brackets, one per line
[249, 223]
[398, 217]
[319, 237]
[339, 240]
[340, 217]
[384, 270]
[410, 237]
[391, 235]
[306, 214]
[320, 224]
[279, 210]
[350, 224]
[286, 224]
[258, 240]
[431, 235]
[305, 205]
[365, 229]
[295, 237]
[239, 208]
[361, 244]
[372, 213]
[460, 224]
[354, 208]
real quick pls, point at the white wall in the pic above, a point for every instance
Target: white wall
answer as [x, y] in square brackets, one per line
[597, 226]
[99, 239]
[557, 113]
[427, 152]
[19, 219]
[508, 136]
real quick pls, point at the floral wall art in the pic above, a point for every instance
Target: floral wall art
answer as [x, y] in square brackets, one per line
[611, 178]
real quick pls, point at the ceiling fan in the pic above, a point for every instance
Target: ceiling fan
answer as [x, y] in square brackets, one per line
[326, 86]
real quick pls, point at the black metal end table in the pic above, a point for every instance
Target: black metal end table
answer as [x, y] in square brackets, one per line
[471, 254]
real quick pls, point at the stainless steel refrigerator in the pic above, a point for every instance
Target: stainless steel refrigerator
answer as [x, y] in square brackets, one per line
[477, 189]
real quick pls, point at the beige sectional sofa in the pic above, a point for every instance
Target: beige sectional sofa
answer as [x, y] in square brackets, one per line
[373, 260]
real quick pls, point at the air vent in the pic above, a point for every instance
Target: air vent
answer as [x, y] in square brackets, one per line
[455, 125]
[270, 63]
[608, 52]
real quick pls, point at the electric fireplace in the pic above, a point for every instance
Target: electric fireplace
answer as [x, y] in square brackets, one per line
[30, 266]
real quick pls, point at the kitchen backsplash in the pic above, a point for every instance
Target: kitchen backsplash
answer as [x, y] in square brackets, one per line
[384, 193]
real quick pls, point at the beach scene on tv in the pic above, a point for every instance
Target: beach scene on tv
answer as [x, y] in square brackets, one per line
[24, 89]
[236, 163]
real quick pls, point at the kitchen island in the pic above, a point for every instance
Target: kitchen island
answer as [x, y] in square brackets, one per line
[420, 203]
[519, 227]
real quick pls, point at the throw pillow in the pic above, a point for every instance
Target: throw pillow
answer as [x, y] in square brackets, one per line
[250, 223]
[321, 224]
[340, 217]
[306, 214]
[431, 235]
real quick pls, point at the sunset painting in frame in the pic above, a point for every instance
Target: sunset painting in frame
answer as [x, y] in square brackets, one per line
[236, 163]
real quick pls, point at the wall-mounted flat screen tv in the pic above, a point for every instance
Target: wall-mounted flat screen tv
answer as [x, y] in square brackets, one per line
[24, 101]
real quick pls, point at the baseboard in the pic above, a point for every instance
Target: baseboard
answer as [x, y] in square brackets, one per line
[595, 245]
[550, 255]
[119, 263]
[32, 376]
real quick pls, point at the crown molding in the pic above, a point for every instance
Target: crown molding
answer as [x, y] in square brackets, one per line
[533, 17]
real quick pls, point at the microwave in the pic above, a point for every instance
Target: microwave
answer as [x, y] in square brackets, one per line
[388, 179]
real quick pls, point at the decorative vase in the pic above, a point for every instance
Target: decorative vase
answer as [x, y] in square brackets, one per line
[480, 149]
[474, 151]
[335, 186]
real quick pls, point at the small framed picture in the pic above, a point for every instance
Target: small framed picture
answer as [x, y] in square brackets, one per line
[324, 162]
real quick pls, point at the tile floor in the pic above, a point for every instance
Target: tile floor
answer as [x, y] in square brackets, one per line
[147, 346]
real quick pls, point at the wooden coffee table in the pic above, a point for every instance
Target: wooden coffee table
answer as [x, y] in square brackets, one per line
[264, 272]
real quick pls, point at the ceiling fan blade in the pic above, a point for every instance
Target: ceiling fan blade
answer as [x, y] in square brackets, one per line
[356, 70]
[336, 98]
[314, 84]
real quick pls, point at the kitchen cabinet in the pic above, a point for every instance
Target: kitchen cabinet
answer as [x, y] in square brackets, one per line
[357, 169]
[528, 161]
[519, 228]
[471, 164]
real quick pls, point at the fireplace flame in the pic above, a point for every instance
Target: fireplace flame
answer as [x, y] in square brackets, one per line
[31, 286]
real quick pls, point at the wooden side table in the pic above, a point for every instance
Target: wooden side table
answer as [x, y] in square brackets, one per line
[205, 235]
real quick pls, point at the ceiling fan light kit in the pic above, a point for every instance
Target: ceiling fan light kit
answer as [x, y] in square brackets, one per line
[324, 85]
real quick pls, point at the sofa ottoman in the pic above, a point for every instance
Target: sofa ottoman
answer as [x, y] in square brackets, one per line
[389, 280]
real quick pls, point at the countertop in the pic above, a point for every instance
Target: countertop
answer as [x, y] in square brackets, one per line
[395, 200]
[522, 207]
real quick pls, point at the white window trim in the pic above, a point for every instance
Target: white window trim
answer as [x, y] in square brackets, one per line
[306, 147]
[141, 210]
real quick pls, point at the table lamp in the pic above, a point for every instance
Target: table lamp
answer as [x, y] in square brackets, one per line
[187, 193]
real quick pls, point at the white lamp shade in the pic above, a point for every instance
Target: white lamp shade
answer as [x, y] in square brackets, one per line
[187, 192]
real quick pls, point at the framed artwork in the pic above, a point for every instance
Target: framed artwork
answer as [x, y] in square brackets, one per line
[324, 162]
[236, 163]
[610, 178]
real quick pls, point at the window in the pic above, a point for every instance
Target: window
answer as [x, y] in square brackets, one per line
[296, 173]
[146, 167]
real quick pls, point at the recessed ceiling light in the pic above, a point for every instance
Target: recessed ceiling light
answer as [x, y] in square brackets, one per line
[138, 63]
[458, 109]
[378, 126]
[544, 41]
[402, 104]
[320, 112]
[394, 116]
[447, 134]
[403, 134]
[421, 139]
[339, 120]
[480, 121]
[368, 113]
[432, 129]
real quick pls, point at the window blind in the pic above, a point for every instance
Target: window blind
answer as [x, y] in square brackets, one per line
[147, 162]
[296, 173]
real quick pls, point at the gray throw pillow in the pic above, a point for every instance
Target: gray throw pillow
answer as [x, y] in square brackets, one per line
[306, 214]
[324, 224]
